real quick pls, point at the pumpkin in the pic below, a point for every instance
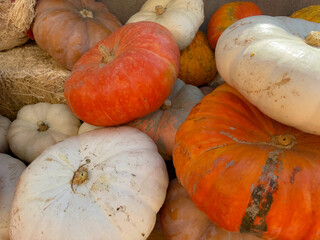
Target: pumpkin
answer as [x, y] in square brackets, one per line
[182, 220]
[182, 18]
[126, 76]
[10, 171]
[274, 63]
[310, 13]
[226, 15]
[162, 124]
[246, 171]
[104, 184]
[66, 29]
[39, 126]
[4, 126]
[85, 127]
[197, 62]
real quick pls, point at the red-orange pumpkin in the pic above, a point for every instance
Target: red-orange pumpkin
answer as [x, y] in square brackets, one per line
[181, 220]
[226, 15]
[247, 172]
[66, 29]
[126, 76]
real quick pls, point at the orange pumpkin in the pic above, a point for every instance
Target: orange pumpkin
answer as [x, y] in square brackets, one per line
[310, 13]
[66, 29]
[197, 61]
[162, 124]
[226, 15]
[181, 220]
[247, 172]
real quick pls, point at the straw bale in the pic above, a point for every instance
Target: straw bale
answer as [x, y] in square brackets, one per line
[29, 75]
[15, 19]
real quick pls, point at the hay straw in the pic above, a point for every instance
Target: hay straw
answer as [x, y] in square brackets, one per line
[15, 20]
[29, 75]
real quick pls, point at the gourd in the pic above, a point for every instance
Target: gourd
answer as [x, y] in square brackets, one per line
[310, 13]
[197, 61]
[247, 171]
[226, 15]
[162, 124]
[181, 17]
[181, 220]
[39, 126]
[66, 29]
[274, 62]
[10, 170]
[4, 126]
[103, 184]
[126, 76]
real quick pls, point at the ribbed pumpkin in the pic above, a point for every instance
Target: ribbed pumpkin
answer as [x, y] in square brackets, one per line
[246, 171]
[66, 29]
[226, 15]
[310, 13]
[181, 220]
[197, 61]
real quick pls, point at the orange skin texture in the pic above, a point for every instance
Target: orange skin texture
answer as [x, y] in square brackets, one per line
[310, 13]
[136, 80]
[247, 172]
[68, 29]
[226, 15]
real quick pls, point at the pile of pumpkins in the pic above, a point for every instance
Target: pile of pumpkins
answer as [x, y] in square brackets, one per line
[244, 155]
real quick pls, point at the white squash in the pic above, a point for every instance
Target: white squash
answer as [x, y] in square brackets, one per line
[39, 126]
[181, 17]
[4, 126]
[10, 171]
[86, 127]
[106, 184]
[268, 60]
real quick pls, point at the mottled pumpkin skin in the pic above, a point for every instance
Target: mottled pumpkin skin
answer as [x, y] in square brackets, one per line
[247, 172]
[226, 15]
[181, 220]
[66, 29]
[197, 61]
[124, 77]
[310, 13]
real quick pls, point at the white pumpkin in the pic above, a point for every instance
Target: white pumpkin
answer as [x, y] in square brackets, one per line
[39, 126]
[181, 17]
[86, 127]
[10, 171]
[106, 184]
[4, 126]
[268, 60]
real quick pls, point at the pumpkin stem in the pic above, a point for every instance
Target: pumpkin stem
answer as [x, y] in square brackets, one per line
[286, 141]
[106, 54]
[166, 105]
[313, 39]
[159, 9]
[86, 13]
[80, 175]
[42, 126]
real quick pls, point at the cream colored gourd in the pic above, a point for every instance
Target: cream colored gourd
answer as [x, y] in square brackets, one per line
[103, 184]
[4, 126]
[10, 171]
[268, 60]
[86, 127]
[181, 17]
[39, 126]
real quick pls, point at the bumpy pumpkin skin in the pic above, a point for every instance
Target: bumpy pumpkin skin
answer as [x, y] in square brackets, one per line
[226, 15]
[181, 220]
[68, 29]
[197, 61]
[310, 13]
[126, 76]
[247, 172]
[162, 124]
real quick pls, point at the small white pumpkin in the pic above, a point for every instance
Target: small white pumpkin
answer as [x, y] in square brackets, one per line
[181, 17]
[10, 171]
[274, 65]
[86, 127]
[104, 184]
[39, 126]
[4, 126]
